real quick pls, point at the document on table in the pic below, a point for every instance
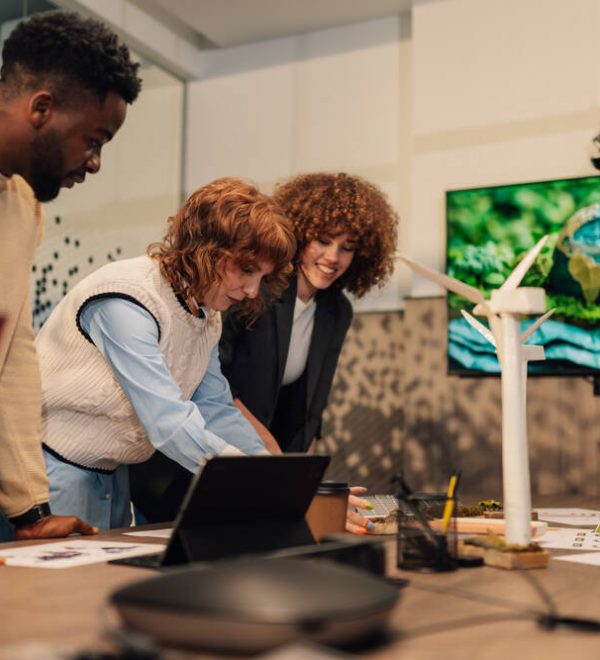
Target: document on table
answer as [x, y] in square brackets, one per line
[75, 553]
[153, 533]
[574, 517]
[570, 539]
[591, 558]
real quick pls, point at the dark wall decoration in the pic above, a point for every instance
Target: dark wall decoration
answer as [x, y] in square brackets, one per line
[64, 260]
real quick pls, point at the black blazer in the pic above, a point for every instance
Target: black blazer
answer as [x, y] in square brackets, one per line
[253, 359]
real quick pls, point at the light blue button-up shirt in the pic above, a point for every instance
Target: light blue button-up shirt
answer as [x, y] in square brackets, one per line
[186, 431]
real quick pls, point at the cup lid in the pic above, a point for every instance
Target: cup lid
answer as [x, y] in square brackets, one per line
[332, 487]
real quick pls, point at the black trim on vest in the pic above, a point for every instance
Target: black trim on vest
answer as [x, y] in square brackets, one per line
[181, 301]
[62, 459]
[100, 296]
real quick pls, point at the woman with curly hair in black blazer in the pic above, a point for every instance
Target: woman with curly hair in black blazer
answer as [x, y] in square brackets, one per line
[281, 368]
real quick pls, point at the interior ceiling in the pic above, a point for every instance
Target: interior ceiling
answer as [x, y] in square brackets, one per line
[223, 23]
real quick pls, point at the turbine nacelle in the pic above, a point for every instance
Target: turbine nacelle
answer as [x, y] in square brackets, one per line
[524, 300]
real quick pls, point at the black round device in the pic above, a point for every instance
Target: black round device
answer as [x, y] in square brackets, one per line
[253, 605]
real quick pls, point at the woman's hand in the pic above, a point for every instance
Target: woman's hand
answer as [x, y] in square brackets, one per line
[271, 445]
[356, 523]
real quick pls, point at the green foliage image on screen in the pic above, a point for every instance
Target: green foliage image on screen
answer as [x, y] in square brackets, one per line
[489, 230]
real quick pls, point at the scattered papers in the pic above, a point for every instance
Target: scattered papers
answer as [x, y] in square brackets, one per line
[574, 517]
[570, 539]
[591, 558]
[75, 553]
[153, 533]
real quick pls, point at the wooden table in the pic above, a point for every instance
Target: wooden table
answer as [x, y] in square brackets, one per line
[480, 614]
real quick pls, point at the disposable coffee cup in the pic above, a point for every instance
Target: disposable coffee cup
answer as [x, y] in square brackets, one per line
[327, 511]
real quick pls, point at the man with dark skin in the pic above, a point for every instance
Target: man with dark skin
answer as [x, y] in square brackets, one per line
[65, 84]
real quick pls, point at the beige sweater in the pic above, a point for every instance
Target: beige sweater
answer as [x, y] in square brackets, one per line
[88, 419]
[23, 481]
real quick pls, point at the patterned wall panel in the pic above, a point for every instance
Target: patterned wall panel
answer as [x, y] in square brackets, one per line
[363, 422]
[393, 405]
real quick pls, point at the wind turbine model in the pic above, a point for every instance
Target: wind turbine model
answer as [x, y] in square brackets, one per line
[504, 310]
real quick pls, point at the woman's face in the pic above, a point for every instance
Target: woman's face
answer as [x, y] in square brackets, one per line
[325, 259]
[236, 284]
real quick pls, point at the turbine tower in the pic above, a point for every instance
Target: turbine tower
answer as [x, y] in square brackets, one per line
[504, 310]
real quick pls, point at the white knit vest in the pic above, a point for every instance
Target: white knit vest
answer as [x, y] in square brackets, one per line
[87, 418]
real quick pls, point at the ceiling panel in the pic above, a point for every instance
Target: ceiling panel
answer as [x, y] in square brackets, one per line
[224, 23]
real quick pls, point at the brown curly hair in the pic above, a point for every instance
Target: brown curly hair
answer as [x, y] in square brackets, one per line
[322, 203]
[226, 219]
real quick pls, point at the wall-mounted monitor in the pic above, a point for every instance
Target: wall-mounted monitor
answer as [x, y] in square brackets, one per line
[490, 229]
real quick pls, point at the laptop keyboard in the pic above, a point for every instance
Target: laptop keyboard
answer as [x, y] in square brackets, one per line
[383, 505]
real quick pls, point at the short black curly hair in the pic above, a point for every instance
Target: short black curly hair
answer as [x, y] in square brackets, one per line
[63, 48]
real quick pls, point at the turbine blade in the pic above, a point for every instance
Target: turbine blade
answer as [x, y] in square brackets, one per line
[534, 326]
[514, 279]
[465, 290]
[479, 327]
[481, 310]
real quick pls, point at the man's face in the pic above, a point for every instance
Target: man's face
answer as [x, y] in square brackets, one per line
[69, 145]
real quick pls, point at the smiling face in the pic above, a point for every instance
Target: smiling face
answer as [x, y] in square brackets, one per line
[68, 144]
[324, 260]
[236, 284]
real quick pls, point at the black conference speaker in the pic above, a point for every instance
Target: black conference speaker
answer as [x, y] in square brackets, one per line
[251, 605]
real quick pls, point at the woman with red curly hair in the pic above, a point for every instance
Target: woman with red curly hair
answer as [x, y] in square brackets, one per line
[129, 358]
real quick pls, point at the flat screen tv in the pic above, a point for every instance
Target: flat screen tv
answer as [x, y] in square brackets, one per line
[490, 229]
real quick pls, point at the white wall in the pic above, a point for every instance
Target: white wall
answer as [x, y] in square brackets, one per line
[475, 92]
[333, 100]
[504, 91]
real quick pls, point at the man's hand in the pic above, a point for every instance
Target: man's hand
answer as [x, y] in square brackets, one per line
[54, 527]
[356, 523]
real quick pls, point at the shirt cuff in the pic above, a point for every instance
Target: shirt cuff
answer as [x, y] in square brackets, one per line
[230, 450]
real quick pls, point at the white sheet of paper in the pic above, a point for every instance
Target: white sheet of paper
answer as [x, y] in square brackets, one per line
[153, 533]
[591, 558]
[574, 517]
[570, 539]
[75, 553]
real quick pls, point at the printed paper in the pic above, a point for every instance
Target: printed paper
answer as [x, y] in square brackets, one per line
[75, 553]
